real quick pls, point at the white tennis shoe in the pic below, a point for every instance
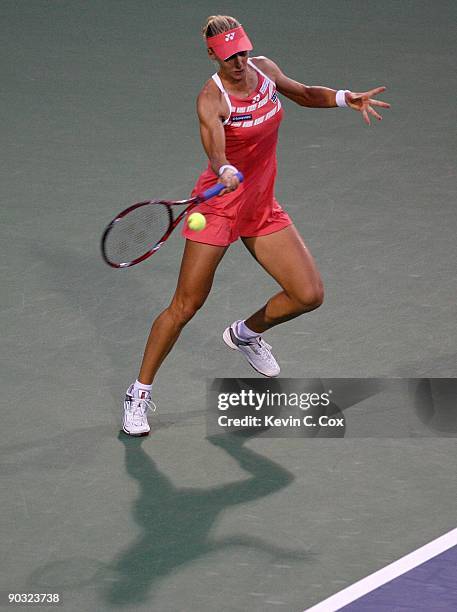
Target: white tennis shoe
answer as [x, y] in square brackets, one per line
[135, 421]
[257, 352]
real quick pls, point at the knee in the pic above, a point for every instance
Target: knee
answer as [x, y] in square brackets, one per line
[319, 295]
[182, 310]
[310, 297]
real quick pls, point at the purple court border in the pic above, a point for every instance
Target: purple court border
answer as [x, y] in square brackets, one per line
[430, 587]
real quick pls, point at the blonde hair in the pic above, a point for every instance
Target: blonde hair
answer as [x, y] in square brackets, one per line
[216, 24]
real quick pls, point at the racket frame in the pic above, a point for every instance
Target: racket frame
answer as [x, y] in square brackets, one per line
[173, 222]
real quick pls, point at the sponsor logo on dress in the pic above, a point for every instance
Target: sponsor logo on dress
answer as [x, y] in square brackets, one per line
[241, 117]
[256, 98]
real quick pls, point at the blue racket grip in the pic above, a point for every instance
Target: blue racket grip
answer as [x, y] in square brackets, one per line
[217, 188]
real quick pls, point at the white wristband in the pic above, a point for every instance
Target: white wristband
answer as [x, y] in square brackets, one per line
[225, 167]
[341, 97]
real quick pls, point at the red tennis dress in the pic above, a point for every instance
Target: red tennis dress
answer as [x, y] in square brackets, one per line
[251, 136]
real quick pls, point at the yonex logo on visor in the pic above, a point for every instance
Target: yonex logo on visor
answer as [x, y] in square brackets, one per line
[229, 43]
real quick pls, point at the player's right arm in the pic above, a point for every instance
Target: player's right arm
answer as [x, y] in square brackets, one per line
[210, 115]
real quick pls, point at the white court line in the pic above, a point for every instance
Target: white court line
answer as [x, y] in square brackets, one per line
[386, 574]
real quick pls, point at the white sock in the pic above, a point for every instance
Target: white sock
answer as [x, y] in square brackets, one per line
[243, 332]
[138, 387]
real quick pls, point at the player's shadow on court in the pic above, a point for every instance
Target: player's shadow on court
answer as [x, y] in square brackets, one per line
[176, 522]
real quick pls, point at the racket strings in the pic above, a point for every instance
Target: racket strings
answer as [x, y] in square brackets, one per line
[137, 233]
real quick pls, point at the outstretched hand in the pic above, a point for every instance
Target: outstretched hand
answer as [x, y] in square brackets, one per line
[364, 102]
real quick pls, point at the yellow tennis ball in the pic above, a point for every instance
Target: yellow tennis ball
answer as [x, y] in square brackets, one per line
[196, 222]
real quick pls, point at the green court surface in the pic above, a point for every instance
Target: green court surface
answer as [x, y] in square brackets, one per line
[98, 111]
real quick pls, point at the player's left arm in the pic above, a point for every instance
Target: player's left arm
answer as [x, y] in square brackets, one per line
[314, 96]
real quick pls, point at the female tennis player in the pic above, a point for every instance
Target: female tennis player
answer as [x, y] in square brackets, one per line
[240, 112]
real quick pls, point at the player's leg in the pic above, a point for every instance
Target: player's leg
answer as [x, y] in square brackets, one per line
[285, 257]
[198, 265]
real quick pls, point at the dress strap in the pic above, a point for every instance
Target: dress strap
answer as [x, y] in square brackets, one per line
[251, 63]
[217, 80]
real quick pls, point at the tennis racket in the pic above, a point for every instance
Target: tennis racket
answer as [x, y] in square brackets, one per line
[141, 229]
